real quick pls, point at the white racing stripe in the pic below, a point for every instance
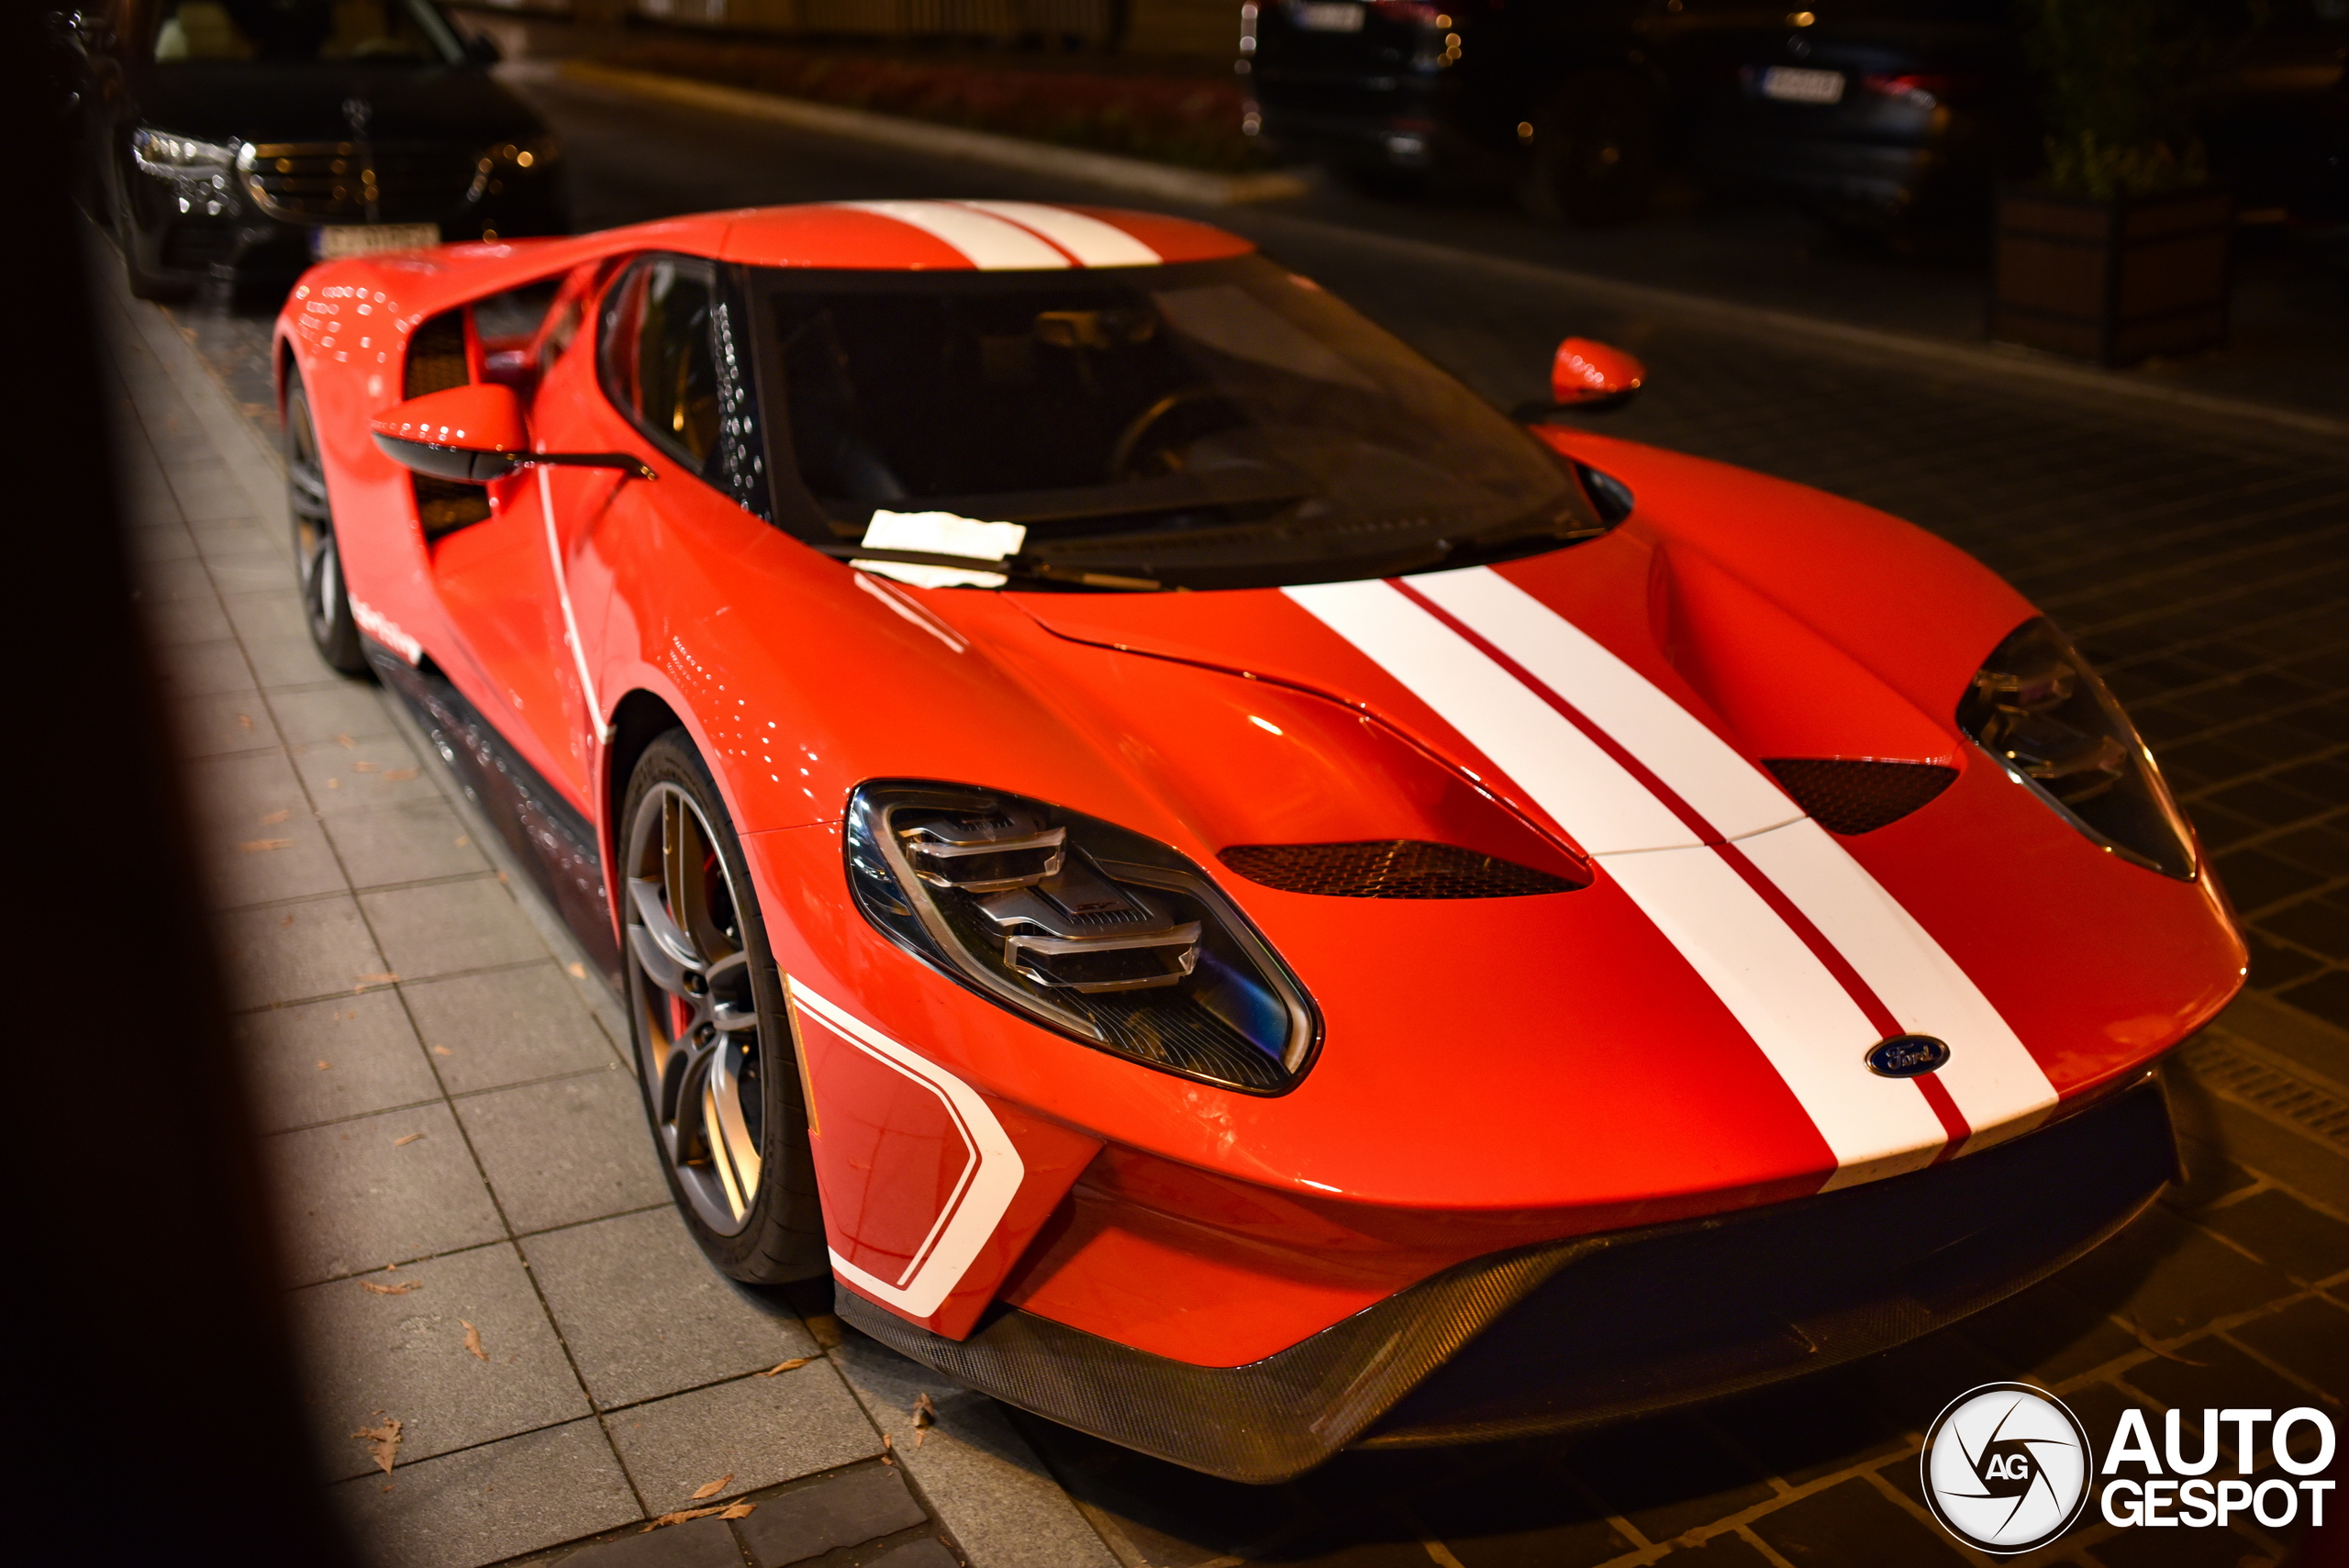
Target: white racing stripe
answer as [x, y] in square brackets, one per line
[987, 1188]
[1093, 243]
[1601, 806]
[991, 244]
[1674, 744]
[1998, 1085]
[1799, 1016]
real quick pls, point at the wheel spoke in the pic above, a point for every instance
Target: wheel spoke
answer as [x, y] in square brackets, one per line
[736, 1150]
[653, 920]
[685, 861]
[659, 965]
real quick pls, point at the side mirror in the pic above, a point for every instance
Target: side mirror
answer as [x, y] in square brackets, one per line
[1593, 375]
[474, 434]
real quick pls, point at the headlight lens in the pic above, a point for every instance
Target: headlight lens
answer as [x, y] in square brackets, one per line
[198, 172]
[1099, 933]
[2038, 708]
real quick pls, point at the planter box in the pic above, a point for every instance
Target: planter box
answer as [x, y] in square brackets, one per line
[2113, 281]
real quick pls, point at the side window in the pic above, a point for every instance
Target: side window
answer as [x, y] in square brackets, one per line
[669, 363]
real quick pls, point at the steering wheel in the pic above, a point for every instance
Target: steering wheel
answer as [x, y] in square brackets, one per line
[1121, 456]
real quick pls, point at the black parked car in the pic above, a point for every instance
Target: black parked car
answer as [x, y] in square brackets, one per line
[1584, 99]
[244, 138]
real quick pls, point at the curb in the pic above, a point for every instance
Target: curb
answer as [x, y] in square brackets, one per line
[1164, 180]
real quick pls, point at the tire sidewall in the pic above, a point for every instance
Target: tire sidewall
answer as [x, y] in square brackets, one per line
[783, 1236]
[339, 645]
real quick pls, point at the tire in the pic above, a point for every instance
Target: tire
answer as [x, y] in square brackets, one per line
[326, 605]
[716, 1059]
[1596, 148]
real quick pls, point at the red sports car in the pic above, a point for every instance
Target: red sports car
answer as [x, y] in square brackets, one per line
[1226, 892]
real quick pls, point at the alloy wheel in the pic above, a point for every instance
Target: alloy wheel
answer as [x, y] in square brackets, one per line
[306, 498]
[699, 1038]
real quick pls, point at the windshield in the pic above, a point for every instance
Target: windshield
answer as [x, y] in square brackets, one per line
[1211, 424]
[388, 32]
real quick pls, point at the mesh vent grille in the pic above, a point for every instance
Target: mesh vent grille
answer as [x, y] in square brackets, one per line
[436, 356]
[1853, 797]
[1388, 868]
[444, 506]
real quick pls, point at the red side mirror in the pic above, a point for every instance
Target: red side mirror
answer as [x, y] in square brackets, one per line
[472, 433]
[1590, 375]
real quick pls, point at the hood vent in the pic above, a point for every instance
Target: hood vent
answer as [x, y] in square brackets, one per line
[1854, 795]
[1388, 868]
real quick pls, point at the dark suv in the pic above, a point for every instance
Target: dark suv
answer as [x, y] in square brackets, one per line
[1581, 99]
[234, 139]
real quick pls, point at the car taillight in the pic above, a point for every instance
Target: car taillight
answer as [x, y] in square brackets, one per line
[1926, 89]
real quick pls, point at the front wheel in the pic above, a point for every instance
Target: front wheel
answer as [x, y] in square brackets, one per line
[713, 1049]
[326, 605]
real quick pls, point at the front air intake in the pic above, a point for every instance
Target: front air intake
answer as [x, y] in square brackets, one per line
[1848, 795]
[1388, 868]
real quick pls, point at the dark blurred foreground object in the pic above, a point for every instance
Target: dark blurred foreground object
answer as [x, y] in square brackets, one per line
[1582, 101]
[149, 1337]
[231, 140]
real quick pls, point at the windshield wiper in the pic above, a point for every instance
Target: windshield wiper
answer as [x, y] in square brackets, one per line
[1164, 492]
[1025, 567]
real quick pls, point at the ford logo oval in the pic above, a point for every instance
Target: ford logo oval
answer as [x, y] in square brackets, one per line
[1908, 1056]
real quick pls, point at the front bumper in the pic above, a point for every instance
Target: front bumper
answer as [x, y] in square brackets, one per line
[1597, 1329]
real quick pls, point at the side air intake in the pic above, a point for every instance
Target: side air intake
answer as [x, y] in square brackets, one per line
[1388, 868]
[1854, 795]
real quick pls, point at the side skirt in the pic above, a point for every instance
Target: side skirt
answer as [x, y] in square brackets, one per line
[555, 844]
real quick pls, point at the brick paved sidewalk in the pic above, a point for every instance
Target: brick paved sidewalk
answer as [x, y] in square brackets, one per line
[476, 1236]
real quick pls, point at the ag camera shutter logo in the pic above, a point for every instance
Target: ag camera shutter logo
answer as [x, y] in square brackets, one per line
[2007, 1467]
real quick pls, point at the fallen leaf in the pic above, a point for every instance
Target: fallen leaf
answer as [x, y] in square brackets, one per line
[388, 977]
[364, 766]
[399, 775]
[886, 1445]
[737, 1510]
[405, 1139]
[245, 720]
[334, 784]
[285, 922]
[275, 818]
[472, 1343]
[576, 971]
[501, 877]
[345, 741]
[712, 1488]
[925, 1416]
[794, 1365]
[824, 1328]
[462, 840]
[322, 1066]
[264, 846]
[400, 1289]
[384, 1439]
[442, 1050]
[680, 1518]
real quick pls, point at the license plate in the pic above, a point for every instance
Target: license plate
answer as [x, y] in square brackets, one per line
[1793, 84]
[342, 239]
[1327, 15]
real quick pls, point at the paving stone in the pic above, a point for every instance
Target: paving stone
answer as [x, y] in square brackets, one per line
[2327, 996]
[200, 669]
[2168, 1277]
[2044, 1335]
[327, 1061]
[221, 723]
[317, 713]
[294, 953]
[2140, 1547]
[182, 577]
[1174, 1518]
[507, 1028]
[450, 927]
[2321, 925]
[288, 660]
[177, 622]
[489, 1502]
[407, 1356]
[1666, 1476]
[365, 776]
[2308, 1338]
[1852, 1522]
[761, 1430]
[696, 1543]
[645, 1314]
[255, 834]
[349, 1197]
[1809, 1427]
[1726, 1551]
[410, 842]
[258, 571]
[847, 1510]
[925, 1553]
[2210, 1373]
[268, 611]
[566, 1151]
[1520, 1516]
[2281, 1229]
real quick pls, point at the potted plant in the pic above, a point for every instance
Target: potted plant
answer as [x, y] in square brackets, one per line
[2119, 250]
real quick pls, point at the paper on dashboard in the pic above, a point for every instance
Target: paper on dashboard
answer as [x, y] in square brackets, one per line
[939, 533]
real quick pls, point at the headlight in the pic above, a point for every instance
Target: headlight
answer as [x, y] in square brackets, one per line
[2040, 710]
[198, 172]
[1088, 929]
[539, 153]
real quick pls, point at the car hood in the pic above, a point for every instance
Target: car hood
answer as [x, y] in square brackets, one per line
[306, 103]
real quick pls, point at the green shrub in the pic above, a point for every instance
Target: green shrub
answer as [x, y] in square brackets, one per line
[2125, 83]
